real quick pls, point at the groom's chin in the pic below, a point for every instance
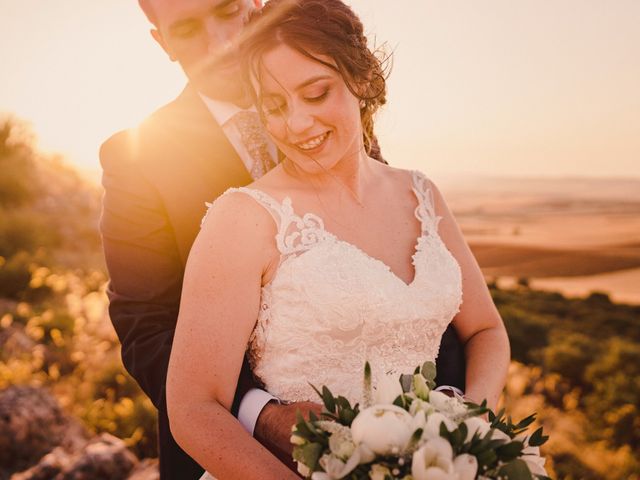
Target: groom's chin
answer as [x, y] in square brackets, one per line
[223, 85]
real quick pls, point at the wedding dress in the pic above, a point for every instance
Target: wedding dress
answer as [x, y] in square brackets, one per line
[330, 306]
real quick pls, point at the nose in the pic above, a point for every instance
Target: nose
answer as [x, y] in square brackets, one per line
[299, 119]
[219, 37]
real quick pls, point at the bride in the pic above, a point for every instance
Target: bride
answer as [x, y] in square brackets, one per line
[331, 259]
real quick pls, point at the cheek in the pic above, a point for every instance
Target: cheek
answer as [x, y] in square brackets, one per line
[276, 129]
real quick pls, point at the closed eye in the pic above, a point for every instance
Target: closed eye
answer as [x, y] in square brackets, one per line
[317, 98]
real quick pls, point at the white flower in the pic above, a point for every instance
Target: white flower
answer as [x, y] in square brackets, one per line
[296, 440]
[446, 404]
[420, 405]
[432, 427]
[378, 472]
[341, 443]
[336, 468]
[433, 461]
[320, 476]
[500, 435]
[382, 428]
[419, 421]
[303, 469]
[531, 456]
[387, 389]
[476, 425]
[465, 466]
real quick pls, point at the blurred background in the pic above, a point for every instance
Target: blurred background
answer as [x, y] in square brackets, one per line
[526, 114]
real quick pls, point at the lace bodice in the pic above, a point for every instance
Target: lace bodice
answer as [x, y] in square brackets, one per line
[330, 306]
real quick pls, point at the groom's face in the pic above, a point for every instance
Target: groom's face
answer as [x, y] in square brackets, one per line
[198, 34]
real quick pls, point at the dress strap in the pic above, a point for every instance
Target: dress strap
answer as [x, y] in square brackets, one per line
[295, 234]
[425, 211]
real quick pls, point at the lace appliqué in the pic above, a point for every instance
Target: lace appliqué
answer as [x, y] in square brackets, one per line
[330, 306]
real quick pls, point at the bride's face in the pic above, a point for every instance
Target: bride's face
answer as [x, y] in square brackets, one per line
[308, 110]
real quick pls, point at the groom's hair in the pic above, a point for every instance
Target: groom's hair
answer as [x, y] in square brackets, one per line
[322, 28]
[147, 8]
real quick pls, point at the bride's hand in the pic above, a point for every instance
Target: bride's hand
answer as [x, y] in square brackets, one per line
[273, 428]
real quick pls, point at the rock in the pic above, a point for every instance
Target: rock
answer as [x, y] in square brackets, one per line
[146, 470]
[105, 457]
[31, 425]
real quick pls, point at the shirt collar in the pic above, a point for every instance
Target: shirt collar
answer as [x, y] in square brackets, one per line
[222, 111]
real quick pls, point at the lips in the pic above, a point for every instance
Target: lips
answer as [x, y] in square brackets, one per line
[313, 142]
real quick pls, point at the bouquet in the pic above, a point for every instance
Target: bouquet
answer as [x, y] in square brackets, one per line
[413, 432]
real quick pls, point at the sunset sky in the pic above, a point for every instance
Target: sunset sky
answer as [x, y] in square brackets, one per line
[499, 87]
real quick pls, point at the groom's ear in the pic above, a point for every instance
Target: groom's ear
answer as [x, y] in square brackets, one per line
[157, 36]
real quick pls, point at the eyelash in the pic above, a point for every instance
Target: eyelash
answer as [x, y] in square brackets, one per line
[279, 109]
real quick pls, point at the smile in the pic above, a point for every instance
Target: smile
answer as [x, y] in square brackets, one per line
[313, 142]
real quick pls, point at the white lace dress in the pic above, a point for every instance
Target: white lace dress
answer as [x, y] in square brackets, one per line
[330, 306]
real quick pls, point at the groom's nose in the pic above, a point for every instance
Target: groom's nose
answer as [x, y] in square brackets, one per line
[219, 36]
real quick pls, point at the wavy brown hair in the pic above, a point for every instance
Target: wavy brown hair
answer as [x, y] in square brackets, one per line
[322, 27]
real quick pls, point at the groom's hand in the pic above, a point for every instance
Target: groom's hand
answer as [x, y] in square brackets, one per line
[273, 428]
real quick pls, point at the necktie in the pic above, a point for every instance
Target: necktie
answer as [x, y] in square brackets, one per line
[254, 138]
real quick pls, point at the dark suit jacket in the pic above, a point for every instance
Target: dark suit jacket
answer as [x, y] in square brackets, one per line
[157, 179]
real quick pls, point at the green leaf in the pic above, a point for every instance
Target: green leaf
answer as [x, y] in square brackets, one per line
[415, 438]
[510, 451]
[327, 398]
[367, 389]
[429, 371]
[515, 470]
[406, 382]
[308, 454]
[524, 423]
[538, 438]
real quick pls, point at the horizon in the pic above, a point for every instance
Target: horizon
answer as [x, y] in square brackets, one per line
[514, 90]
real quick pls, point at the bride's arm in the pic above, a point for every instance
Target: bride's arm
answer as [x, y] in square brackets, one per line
[219, 307]
[478, 323]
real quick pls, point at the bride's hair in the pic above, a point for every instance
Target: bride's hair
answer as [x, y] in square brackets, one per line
[322, 27]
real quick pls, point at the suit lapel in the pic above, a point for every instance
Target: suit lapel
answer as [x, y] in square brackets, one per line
[191, 162]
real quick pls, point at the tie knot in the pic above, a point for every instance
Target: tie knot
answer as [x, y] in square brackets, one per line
[248, 122]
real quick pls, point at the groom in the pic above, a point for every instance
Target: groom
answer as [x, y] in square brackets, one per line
[157, 179]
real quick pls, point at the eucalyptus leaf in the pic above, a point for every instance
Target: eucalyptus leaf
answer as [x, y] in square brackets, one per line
[429, 371]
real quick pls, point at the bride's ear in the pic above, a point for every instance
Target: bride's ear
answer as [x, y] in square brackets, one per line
[157, 36]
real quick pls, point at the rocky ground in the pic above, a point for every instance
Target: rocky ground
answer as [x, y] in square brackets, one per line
[39, 442]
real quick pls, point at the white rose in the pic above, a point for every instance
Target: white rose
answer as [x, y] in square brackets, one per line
[433, 461]
[476, 425]
[378, 472]
[446, 404]
[387, 389]
[382, 428]
[465, 466]
[432, 427]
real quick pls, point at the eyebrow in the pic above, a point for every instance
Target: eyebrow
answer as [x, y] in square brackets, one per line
[304, 84]
[312, 80]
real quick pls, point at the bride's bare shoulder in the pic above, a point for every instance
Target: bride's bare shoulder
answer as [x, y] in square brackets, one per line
[237, 216]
